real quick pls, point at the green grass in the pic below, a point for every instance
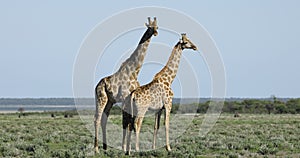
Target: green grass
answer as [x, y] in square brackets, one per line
[39, 135]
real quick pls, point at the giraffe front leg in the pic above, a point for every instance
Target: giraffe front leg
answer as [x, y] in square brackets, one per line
[128, 146]
[156, 127]
[125, 126]
[127, 129]
[167, 123]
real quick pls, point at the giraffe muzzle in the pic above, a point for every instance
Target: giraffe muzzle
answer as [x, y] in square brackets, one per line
[195, 48]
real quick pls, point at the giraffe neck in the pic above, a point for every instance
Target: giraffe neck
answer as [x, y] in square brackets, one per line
[134, 63]
[169, 71]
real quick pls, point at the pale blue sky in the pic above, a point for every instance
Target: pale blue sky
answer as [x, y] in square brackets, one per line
[258, 41]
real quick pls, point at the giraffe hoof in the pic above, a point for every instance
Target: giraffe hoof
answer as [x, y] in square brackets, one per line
[127, 153]
[104, 147]
[96, 150]
[168, 148]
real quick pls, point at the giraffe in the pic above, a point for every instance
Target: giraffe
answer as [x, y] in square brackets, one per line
[116, 87]
[156, 95]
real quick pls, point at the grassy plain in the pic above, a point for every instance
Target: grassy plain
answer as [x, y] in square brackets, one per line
[39, 135]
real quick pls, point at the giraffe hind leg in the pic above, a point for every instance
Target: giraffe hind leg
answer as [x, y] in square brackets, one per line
[101, 101]
[138, 125]
[104, 118]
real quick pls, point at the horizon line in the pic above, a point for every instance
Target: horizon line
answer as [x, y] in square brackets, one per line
[206, 97]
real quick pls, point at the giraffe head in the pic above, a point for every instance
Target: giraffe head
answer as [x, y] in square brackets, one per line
[153, 25]
[186, 43]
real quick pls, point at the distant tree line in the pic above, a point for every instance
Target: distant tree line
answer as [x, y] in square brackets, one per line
[251, 106]
[255, 106]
